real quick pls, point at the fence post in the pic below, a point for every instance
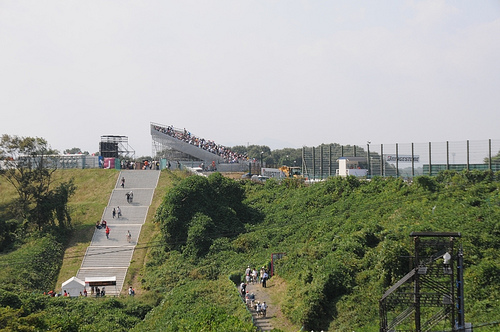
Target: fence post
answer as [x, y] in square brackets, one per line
[330, 160]
[368, 159]
[412, 161]
[489, 153]
[467, 154]
[382, 173]
[430, 161]
[304, 162]
[397, 160]
[314, 162]
[447, 155]
[321, 161]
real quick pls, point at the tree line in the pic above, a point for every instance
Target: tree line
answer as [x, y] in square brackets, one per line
[41, 204]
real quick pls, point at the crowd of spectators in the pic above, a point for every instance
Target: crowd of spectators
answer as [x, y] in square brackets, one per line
[208, 145]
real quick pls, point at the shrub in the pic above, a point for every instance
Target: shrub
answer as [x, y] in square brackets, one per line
[9, 299]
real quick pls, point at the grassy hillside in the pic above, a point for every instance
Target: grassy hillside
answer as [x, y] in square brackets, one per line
[86, 206]
[94, 187]
[346, 241]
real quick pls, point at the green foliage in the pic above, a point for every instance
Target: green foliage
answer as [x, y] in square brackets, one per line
[199, 210]
[198, 239]
[8, 233]
[52, 206]
[33, 267]
[9, 299]
[347, 240]
[200, 305]
[28, 166]
[41, 312]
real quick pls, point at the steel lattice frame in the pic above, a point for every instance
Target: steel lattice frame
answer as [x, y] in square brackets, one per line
[426, 296]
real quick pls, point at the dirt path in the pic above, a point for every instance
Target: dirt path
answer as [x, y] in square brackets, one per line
[271, 295]
[262, 295]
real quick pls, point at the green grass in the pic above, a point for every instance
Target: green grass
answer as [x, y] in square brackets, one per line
[93, 189]
[345, 242]
[149, 232]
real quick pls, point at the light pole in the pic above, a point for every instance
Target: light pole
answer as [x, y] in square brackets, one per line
[261, 157]
[368, 157]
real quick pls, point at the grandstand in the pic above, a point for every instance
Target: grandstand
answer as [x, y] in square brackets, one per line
[181, 145]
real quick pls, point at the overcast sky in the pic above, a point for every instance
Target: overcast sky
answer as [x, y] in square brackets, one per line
[276, 73]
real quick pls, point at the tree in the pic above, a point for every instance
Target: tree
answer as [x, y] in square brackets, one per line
[28, 164]
[75, 151]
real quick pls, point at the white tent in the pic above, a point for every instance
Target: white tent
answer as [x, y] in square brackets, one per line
[73, 286]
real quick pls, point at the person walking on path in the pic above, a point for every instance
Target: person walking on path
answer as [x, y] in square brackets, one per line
[129, 236]
[264, 279]
[114, 213]
[263, 308]
[130, 196]
[119, 212]
[123, 182]
[107, 232]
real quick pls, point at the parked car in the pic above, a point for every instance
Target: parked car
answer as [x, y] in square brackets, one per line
[259, 178]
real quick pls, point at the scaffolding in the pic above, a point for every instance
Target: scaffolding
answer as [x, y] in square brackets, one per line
[432, 292]
[112, 146]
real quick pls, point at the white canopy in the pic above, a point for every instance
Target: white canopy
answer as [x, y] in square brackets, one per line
[73, 286]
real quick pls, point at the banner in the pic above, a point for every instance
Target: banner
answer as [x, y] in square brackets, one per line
[391, 158]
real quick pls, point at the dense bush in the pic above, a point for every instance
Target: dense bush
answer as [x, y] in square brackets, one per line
[9, 299]
[34, 266]
[347, 240]
[200, 305]
[199, 210]
[42, 312]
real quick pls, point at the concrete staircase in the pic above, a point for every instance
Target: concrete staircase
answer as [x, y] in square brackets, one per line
[111, 257]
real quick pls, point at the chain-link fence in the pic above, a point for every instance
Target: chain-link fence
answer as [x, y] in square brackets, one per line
[402, 160]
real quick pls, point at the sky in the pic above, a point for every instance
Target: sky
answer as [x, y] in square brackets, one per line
[276, 73]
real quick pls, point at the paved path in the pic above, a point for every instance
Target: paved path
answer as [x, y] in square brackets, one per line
[262, 295]
[111, 257]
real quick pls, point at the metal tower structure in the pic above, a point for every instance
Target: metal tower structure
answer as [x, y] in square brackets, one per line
[113, 146]
[432, 292]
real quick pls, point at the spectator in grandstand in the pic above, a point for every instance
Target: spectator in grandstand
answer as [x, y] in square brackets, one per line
[220, 150]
